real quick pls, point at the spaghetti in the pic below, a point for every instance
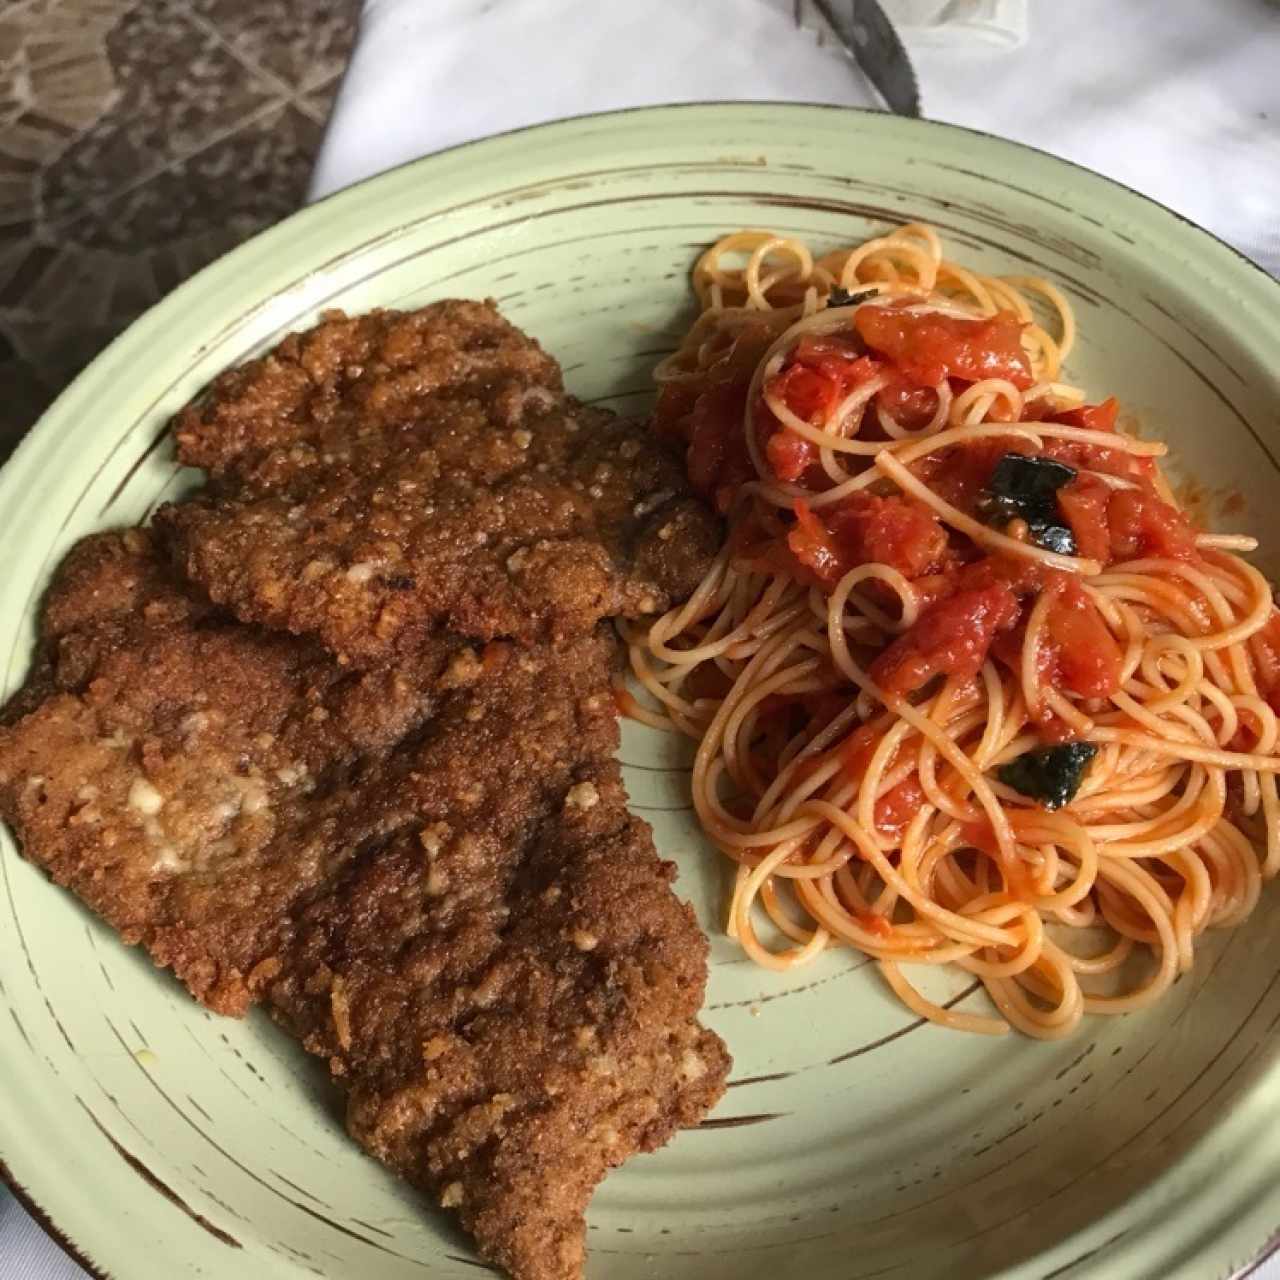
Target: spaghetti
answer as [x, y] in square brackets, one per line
[968, 688]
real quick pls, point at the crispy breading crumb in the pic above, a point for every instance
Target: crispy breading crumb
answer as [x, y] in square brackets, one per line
[341, 1010]
[465, 668]
[433, 836]
[582, 796]
[692, 1067]
[143, 797]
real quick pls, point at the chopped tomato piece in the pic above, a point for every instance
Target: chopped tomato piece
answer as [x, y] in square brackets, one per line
[980, 835]
[928, 346]
[1019, 575]
[866, 529]
[933, 587]
[1008, 645]
[789, 455]
[809, 394]
[899, 532]
[1096, 457]
[813, 546]
[708, 416]
[821, 373]
[773, 555]
[959, 475]
[912, 407]
[899, 805]
[1054, 731]
[1083, 504]
[839, 356]
[1078, 653]
[1143, 525]
[951, 637]
[1096, 417]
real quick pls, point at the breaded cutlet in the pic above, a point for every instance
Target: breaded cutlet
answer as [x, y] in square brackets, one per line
[168, 752]
[381, 476]
[429, 876]
[509, 989]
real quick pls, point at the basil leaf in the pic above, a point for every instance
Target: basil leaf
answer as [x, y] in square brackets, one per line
[839, 297]
[1025, 488]
[1051, 775]
[1020, 478]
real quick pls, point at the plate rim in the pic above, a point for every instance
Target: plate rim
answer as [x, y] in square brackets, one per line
[1246, 274]
[327, 203]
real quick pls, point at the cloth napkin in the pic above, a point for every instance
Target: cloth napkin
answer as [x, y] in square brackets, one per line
[428, 74]
[1179, 99]
[922, 23]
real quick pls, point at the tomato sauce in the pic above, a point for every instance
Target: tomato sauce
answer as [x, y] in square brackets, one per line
[1264, 647]
[877, 924]
[1095, 417]
[972, 604]
[1078, 653]
[821, 373]
[927, 346]
[1141, 524]
[868, 529]
[718, 460]
[951, 637]
[895, 809]
[909, 405]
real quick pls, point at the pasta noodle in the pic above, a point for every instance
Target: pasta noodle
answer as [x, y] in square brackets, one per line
[891, 645]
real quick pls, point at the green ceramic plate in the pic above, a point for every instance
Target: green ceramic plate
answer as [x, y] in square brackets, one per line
[853, 1141]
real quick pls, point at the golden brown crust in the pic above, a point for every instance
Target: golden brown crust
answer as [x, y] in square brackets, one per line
[430, 876]
[165, 751]
[507, 1036]
[383, 476]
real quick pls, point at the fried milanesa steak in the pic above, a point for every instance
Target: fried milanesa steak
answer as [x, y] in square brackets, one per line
[429, 876]
[380, 476]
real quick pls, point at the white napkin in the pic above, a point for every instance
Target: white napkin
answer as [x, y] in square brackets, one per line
[1179, 99]
[427, 74]
[926, 23]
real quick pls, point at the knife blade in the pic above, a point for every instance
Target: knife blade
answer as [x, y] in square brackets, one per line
[864, 29]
